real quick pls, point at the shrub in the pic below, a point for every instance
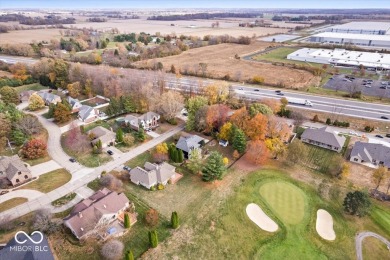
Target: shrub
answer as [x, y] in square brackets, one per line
[174, 220]
[151, 217]
[257, 80]
[33, 149]
[127, 223]
[328, 121]
[153, 238]
[160, 186]
[368, 128]
[153, 188]
[315, 118]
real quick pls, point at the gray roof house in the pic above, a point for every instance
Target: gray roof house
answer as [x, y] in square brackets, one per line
[14, 170]
[371, 154]
[152, 174]
[88, 114]
[74, 103]
[148, 121]
[98, 211]
[186, 144]
[41, 250]
[106, 136]
[323, 137]
[25, 95]
[49, 98]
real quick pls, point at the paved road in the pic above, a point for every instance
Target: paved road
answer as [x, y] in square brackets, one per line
[82, 179]
[361, 236]
[43, 168]
[22, 193]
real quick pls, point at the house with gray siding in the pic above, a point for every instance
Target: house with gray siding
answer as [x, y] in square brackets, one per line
[152, 174]
[371, 154]
[186, 144]
[323, 137]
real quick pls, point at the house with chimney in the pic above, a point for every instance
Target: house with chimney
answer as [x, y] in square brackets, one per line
[88, 114]
[106, 136]
[147, 121]
[13, 170]
[100, 215]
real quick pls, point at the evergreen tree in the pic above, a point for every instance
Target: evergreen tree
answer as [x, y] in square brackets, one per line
[239, 140]
[357, 203]
[119, 135]
[127, 223]
[141, 134]
[175, 155]
[50, 113]
[180, 157]
[214, 167]
[129, 255]
[174, 220]
[153, 239]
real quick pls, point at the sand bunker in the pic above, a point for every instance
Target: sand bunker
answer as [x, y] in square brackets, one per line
[324, 225]
[255, 214]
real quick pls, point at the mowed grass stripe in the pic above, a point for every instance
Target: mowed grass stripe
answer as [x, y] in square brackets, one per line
[286, 200]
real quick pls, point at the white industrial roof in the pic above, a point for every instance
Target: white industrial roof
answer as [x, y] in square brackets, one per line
[375, 26]
[374, 37]
[367, 59]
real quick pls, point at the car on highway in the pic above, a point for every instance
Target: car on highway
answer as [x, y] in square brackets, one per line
[384, 117]
[278, 91]
[240, 89]
[388, 135]
[384, 83]
[126, 168]
[280, 94]
[256, 89]
[382, 87]
[379, 136]
[73, 160]
[367, 86]
[110, 152]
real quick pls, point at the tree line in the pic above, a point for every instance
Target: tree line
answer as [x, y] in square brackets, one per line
[204, 16]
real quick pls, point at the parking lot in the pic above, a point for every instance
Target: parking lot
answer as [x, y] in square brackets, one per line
[340, 82]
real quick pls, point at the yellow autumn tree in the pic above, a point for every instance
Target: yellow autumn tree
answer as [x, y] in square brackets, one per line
[162, 148]
[225, 161]
[276, 146]
[226, 132]
[345, 171]
[217, 93]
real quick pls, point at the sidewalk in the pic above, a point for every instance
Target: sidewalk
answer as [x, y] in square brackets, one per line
[43, 168]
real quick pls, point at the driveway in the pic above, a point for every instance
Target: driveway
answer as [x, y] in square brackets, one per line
[23, 193]
[66, 128]
[116, 152]
[83, 176]
[359, 240]
[43, 168]
[152, 134]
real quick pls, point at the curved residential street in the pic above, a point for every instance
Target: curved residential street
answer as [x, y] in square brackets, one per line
[81, 175]
[359, 240]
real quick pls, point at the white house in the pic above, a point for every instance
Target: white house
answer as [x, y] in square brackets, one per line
[148, 121]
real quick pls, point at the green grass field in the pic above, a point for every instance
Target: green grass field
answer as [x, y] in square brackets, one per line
[49, 181]
[11, 203]
[286, 200]
[34, 86]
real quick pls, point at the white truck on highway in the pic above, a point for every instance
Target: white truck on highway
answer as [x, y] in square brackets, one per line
[299, 101]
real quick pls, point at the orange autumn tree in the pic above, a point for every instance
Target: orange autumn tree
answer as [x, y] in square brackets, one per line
[256, 127]
[240, 117]
[215, 118]
[257, 152]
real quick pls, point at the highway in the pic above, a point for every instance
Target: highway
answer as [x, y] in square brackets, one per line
[359, 109]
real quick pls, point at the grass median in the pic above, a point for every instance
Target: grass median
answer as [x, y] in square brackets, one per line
[49, 181]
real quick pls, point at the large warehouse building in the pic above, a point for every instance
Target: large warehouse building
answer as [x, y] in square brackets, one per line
[369, 34]
[341, 57]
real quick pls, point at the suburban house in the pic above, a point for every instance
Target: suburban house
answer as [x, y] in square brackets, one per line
[106, 136]
[49, 98]
[101, 214]
[14, 170]
[88, 114]
[75, 104]
[186, 144]
[25, 95]
[323, 137]
[148, 121]
[34, 241]
[371, 154]
[153, 174]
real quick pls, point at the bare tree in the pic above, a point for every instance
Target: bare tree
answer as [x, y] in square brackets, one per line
[109, 181]
[29, 125]
[43, 222]
[170, 104]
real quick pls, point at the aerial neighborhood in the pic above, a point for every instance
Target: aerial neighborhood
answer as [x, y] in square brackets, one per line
[170, 133]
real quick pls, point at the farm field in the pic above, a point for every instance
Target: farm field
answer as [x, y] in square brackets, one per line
[27, 36]
[219, 218]
[220, 60]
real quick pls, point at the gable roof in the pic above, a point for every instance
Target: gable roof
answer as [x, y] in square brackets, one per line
[372, 151]
[324, 135]
[103, 134]
[48, 97]
[87, 213]
[11, 165]
[73, 101]
[144, 117]
[85, 111]
[188, 143]
[152, 173]
[8, 253]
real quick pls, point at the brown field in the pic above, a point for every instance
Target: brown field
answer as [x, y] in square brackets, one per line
[220, 62]
[27, 36]
[6, 74]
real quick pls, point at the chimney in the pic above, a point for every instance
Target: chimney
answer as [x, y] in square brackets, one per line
[80, 215]
[104, 205]
[82, 229]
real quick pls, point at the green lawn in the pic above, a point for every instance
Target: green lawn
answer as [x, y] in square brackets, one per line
[286, 200]
[34, 86]
[318, 158]
[97, 123]
[381, 216]
[49, 181]
[374, 249]
[9, 204]
[140, 160]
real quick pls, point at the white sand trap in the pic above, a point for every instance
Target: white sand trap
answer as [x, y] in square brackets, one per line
[324, 225]
[257, 215]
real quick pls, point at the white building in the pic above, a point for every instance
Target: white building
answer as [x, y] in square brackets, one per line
[342, 57]
[369, 40]
[379, 28]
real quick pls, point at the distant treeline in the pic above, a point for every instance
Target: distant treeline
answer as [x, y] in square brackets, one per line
[313, 17]
[97, 20]
[204, 16]
[47, 20]
[124, 17]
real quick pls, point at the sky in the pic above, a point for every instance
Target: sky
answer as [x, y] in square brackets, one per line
[94, 4]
